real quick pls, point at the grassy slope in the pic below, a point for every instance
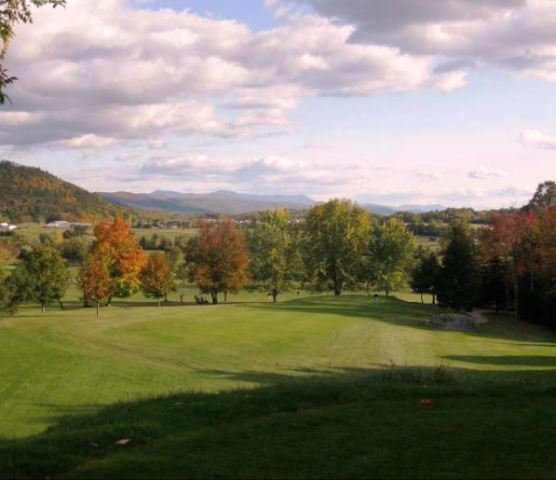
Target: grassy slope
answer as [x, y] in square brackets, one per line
[68, 364]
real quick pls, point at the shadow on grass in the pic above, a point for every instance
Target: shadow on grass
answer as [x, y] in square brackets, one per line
[513, 360]
[346, 423]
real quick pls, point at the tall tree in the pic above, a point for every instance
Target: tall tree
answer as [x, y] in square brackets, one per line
[390, 254]
[510, 241]
[13, 12]
[157, 278]
[116, 244]
[95, 278]
[425, 273]
[458, 280]
[218, 258]
[41, 277]
[336, 239]
[274, 258]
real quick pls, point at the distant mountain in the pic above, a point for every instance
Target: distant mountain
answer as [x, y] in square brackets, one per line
[421, 208]
[31, 194]
[222, 201]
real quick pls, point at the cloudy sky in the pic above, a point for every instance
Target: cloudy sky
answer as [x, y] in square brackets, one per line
[386, 101]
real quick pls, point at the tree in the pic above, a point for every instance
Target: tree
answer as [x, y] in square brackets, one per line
[336, 240]
[218, 258]
[40, 277]
[458, 279]
[116, 244]
[425, 273]
[510, 241]
[273, 253]
[95, 278]
[544, 196]
[390, 254]
[157, 278]
[13, 12]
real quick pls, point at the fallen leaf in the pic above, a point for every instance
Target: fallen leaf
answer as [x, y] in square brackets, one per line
[123, 441]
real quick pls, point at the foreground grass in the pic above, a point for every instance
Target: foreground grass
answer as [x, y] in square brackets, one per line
[358, 425]
[318, 396]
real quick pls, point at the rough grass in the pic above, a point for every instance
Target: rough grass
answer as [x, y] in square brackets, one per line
[328, 387]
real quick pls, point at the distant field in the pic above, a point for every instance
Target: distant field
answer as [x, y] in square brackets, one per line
[32, 231]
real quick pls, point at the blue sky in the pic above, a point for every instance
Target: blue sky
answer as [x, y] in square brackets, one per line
[379, 101]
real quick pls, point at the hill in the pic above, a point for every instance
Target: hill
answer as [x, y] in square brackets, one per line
[31, 194]
[216, 202]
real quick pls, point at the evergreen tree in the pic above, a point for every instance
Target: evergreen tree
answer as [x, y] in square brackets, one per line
[458, 282]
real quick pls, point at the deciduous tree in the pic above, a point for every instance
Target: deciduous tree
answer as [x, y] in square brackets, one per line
[337, 233]
[425, 273]
[41, 277]
[157, 278]
[274, 258]
[390, 254]
[95, 278]
[218, 258]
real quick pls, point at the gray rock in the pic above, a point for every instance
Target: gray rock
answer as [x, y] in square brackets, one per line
[460, 322]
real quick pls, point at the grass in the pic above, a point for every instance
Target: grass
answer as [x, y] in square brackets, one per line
[315, 386]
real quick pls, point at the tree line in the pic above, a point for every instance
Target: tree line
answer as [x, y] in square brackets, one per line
[511, 264]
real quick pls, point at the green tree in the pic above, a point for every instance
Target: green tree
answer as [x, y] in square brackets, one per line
[274, 258]
[425, 273]
[40, 277]
[458, 281]
[156, 276]
[544, 196]
[390, 254]
[336, 239]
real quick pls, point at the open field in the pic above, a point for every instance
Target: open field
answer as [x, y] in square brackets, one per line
[334, 401]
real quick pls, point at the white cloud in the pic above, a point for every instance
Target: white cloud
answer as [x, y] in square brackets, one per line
[88, 141]
[484, 173]
[104, 68]
[536, 138]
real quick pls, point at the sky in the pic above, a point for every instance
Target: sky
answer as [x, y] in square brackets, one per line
[449, 102]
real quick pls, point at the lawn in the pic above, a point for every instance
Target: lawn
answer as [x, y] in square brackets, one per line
[338, 382]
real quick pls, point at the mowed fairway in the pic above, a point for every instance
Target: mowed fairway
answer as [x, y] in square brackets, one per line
[69, 363]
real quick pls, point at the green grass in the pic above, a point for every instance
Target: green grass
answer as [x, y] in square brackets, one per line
[315, 386]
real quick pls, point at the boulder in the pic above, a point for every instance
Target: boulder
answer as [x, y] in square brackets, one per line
[460, 322]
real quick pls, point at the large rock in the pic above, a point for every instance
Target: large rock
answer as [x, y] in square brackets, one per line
[460, 322]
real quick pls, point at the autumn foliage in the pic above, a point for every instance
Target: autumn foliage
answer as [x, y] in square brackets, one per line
[218, 258]
[156, 277]
[116, 255]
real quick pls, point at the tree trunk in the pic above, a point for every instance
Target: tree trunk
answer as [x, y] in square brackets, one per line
[214, 296]
[62, 307]
[42, 307]
[422, 300]
[516, 291]
[433, 298]
[274, 295]
[225, 296]
[158, 299]
[98, 308]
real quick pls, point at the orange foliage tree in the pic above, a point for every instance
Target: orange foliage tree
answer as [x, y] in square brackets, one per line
[119, 253]
[218, 258]
[157, 278]
[95, 279]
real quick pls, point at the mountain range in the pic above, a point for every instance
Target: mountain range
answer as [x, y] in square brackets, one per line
[32, 194]
[234, 203]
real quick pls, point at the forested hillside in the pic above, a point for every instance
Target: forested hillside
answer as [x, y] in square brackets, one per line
[31, 194]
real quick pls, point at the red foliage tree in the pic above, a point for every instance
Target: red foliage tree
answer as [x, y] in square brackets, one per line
[218, 258]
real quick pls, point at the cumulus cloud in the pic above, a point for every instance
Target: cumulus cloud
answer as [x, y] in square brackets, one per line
[484, 173]
[513, 35]
[88, 141]
[538, 139]
[107, 69]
